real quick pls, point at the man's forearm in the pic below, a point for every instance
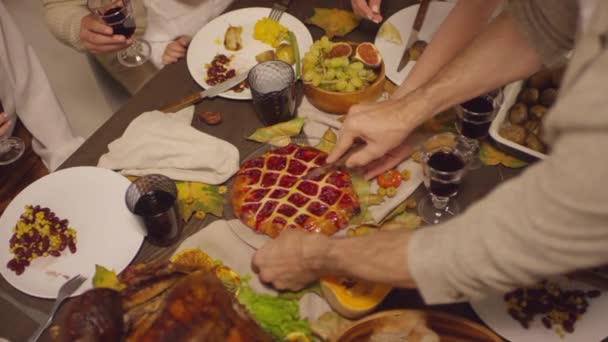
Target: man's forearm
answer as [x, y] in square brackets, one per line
[464, 22]
[501, 54]
[380, 257]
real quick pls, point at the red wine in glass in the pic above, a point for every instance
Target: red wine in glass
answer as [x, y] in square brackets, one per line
[121, 24]
[445, 162]
[158, 210]
[476, 117]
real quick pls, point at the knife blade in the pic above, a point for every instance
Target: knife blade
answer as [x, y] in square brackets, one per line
[420, 15]
[211, 92]
[340, 162]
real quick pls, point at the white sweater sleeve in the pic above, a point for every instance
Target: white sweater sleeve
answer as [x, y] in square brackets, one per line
[26, 92]
[550, 220]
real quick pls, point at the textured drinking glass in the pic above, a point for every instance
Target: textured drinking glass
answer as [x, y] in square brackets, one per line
[444, 164]
[273, 90]
[154, 199]
[118, 14]
[11, 148]
[474, 119]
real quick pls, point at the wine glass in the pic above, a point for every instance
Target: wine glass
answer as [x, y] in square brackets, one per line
[474, 119]
[444, 164]
[11, 148]
[118, 14]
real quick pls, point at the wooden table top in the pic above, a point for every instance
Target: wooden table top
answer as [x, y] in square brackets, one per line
[20, 313]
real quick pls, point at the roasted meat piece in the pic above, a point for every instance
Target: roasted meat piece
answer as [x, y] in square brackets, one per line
[199, 308]
[95, 316]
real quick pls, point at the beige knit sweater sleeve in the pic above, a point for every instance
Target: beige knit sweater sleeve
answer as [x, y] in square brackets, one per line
[550, 220]
[63, 19]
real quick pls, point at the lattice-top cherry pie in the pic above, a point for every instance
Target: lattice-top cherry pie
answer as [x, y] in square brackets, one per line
[270, 194]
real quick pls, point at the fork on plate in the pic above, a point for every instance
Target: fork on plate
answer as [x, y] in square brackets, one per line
[278, 9]
[65, 291]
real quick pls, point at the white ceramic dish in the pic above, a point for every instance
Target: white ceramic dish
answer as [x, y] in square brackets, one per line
[591, 327]
[510, 97]
[209, 41]
[403, 20]
[93, 200]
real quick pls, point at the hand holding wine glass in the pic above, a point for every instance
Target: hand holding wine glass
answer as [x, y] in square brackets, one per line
[5, 124]
[118, 15]
[98, 37]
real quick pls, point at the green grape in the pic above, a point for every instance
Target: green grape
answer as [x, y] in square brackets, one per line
[330, 74]
[336, 62]
[341, 85]
[324, 41]
[356, 66]
[328, 63]
[308, 75]
[356, 82]
[341, 75]
[307, 65]
[349, 88]
[352, 73]
[316, 80]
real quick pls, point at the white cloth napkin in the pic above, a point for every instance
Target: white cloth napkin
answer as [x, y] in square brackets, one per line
[220, 243]
[167, 144]
[318, 122]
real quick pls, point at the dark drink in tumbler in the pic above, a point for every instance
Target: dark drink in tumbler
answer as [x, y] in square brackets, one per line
[158, 209]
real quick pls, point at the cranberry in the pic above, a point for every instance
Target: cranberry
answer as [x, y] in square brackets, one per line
[287, 210]
[308, 188]
[287, 181]
[270, 179]
[279, 193]
[298, 200]
[266, 211]
[276, 163]
[307, 154]
[253, 176]
[321, 160]
[251, 207]
[329, 195]
[289, 149]
[301, 219]
[257, 195]
[317, 208]
[296, 167]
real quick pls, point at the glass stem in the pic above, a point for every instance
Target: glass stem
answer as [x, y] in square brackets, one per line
[440, 202]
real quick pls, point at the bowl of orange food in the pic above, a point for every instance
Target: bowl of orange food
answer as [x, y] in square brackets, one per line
[338, 75]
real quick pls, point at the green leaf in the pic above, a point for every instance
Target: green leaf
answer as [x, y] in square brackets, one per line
[328, 141]
[105, 278]
[293, 41]
[405, 220]
[194, 196]
[297, 295]
[281, 130]
[489, 155]
[362, 189]
[335, 22]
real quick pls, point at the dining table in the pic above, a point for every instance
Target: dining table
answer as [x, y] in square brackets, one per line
[20, 314]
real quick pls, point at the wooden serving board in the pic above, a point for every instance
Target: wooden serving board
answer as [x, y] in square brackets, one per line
[449, 328]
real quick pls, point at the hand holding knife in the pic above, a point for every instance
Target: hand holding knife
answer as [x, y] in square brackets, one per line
[339, 163]
[420, 15]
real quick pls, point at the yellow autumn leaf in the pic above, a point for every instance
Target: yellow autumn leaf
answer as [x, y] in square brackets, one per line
[328, 141]
[409, 203]
[335, 22]
[194, 196]
[105, 278]
[405, 220]
[276, 134]
[442, 122]
[489, 155]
